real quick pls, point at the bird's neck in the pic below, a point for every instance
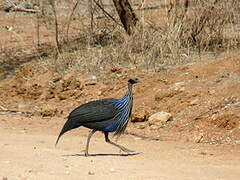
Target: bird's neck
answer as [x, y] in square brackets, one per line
[130, 87]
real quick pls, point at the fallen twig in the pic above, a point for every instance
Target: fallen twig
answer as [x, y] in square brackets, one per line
[21, 10]
[147, 8]
[10, 5]
[7, 111]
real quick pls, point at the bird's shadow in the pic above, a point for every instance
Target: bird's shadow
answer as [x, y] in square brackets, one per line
[104, 154]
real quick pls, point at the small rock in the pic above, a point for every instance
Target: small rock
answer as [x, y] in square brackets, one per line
[140, 117]
[91, 83]
[91, 173]
[116, 69]
[94, 77]
[90, 80]
[3, 108]
[99, 93]
[4, 178]
[142, 125]
[112, 170]
[203, 153]
[214, 117]
[137, 138]
[56, 78]
[194, 102]
[67, 172]
[23, 131]
[159, 118]
[31, 170]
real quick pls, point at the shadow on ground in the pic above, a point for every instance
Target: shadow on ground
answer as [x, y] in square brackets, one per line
[104, 154]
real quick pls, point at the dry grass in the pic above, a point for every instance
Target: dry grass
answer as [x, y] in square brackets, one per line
[188, 28]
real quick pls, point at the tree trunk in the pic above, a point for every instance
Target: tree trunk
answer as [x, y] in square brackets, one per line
[126, 14]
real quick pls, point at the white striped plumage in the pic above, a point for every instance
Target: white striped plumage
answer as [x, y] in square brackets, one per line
[124, 108]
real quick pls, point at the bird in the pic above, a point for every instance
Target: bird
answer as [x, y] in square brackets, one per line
[105, 115]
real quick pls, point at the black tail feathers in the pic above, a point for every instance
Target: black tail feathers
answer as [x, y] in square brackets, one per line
[69, 125]
[61, 133]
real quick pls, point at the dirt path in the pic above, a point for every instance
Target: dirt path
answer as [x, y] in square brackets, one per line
[26, 155]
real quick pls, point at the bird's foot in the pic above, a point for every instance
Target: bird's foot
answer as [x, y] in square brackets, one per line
[85, 152]
[126, 149]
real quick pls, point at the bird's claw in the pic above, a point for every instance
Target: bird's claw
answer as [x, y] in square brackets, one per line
[85, 152]
[127, 150]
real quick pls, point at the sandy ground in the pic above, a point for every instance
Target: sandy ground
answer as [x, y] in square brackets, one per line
[29, 155]
[30, 123]
[202, 97]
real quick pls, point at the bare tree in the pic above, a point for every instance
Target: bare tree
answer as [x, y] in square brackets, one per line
[126, 14]
[52, 3]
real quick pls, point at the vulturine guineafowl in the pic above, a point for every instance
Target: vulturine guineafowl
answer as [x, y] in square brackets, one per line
[106, 115]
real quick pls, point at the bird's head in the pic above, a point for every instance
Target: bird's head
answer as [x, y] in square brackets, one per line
[134, 80]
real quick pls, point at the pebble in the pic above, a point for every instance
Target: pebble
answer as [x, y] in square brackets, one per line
[142, 125]
[91, 83]
[137, 138]
[30, 170]
[194, 102]
[112, 170]
[159, 118]
[91, 173]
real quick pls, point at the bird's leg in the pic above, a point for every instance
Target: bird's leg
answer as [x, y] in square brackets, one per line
[88, 140]
[117, 145]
